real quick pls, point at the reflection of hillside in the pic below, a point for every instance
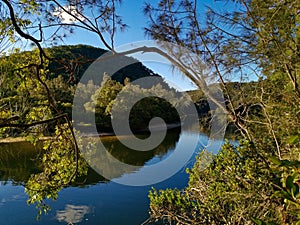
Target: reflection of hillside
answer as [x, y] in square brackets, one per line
[132, 160]
[18, 161]
[138, 158]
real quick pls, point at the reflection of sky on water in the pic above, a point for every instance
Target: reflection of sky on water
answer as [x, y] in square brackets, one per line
[72, 213]
[13, 198]
[10, 194]
[165, 166]
[112, 203]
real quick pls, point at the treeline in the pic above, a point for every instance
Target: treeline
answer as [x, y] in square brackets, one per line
[25, 101]
[104, 98]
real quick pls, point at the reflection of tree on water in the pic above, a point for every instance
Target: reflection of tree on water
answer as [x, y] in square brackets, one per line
[18, 161]
[22, 163]
[138, 158]
[108, 166]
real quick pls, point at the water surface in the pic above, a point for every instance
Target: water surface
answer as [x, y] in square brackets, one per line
[97, 200]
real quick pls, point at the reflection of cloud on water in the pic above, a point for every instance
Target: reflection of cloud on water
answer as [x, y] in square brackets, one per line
[13, 198]
[72, 213]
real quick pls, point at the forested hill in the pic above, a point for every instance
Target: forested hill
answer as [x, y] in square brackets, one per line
[75, 59]
[24, 99]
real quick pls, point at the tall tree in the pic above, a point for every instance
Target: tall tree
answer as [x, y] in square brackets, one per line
[258, 38]
[253, 38]
[27, 21]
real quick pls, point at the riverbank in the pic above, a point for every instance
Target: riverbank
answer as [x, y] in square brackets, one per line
[91, 134]
[20, 139]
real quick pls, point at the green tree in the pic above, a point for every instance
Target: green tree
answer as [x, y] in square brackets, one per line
[223, 192]
[28, 100]
[156, 101]
[101, 101]
[258, 38]
[61, 165]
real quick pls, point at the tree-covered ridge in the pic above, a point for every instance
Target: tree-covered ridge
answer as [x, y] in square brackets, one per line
[105, 97]
[72, 61]
[25, 101]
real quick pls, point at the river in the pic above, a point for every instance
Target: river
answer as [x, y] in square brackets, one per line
[97, 200]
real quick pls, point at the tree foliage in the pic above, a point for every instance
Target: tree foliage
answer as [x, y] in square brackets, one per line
[152, 103]
[256, 182]
[61, 165]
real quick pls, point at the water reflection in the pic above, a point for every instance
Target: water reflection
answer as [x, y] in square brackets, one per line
[124, 160]
[138, 158]
[72, 214]
[13, 198]
[18, 161]
[91, 197]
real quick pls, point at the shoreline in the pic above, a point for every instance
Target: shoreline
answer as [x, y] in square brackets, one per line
[8, 140]
[20, 139]
[142, 131]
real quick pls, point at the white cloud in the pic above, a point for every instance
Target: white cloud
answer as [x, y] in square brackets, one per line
[68, 17]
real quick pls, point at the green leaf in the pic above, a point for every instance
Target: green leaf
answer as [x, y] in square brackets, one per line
[289, 183]
[257, 221]
[261, 222]
[293, 139]
[275, 160]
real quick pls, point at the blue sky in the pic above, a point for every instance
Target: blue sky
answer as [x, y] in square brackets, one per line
[131, 12]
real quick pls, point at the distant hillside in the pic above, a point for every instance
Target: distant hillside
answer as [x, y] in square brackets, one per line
[24, 100]
[238, 91]
[76, 59]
